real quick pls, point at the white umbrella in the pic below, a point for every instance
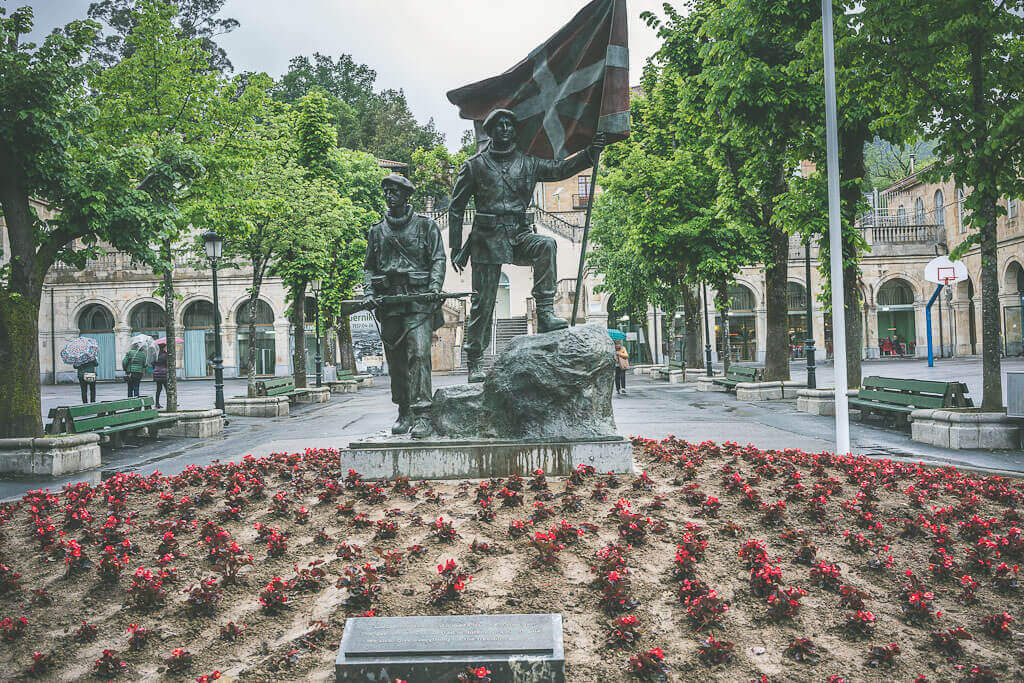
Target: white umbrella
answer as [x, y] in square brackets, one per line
[145, 342]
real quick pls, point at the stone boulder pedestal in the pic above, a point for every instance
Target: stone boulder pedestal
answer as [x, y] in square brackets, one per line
[51, 455]
[546, 402]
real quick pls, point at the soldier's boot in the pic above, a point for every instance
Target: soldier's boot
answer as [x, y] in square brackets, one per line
[421, 427]
[547, 321]
[476, 371]
[404, 422]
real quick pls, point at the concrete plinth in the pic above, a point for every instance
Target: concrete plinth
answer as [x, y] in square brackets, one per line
[197, 424]
[959, 430]
[481, 459]
[345, 386]
[365, 381]
[52, 456]
[693, 374]
[705, 383]
[819, 401]
[643, 369]
[266, 406]
[767, 391]
[320, 394]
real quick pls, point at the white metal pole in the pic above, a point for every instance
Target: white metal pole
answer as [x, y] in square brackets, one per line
[835, 236]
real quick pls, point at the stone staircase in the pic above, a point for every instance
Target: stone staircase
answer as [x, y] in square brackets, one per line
[505, 330]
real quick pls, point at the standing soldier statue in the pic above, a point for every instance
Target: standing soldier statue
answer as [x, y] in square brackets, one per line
[501, 179]
[404, 272]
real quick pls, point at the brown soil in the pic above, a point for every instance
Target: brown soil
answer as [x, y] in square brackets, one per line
[504, 580]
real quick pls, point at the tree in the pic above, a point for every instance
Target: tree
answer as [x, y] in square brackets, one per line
[196, 20]
[433, 175]
[49, 151]
[163, 96]
[959, 70]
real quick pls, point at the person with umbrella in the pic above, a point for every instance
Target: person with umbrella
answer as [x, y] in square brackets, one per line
[621, 365]
[134, 365]
[82, 353]
[160, 370]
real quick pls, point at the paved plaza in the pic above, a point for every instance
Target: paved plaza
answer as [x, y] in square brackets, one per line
[650, 409]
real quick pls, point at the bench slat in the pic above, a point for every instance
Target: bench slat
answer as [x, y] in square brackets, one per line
[131, 416]
[896, 398]
[88, 409]
[136, 425]
[880, 407]
[925, 386]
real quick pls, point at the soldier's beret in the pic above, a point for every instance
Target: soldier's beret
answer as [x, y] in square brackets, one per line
[492, 118]
[398, 181]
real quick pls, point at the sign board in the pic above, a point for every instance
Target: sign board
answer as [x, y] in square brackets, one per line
[941, 270]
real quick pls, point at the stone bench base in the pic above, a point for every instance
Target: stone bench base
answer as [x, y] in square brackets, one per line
[819, 401]
[481, 459]
[961, 429]
[52, 456]
[320, 394]
[197, 424]
[344, 386]
[705, 383]
[766, 391]
[267, 406]
[639, 370]
[365, 381]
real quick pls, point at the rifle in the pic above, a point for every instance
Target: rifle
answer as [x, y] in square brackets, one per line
[350, 306]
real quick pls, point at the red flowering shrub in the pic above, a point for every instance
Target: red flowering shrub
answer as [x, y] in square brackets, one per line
[450, 584]
[444, 530]
[826, 575]
[623, 632]
[110, 664]
[615, 589]
[539, 481]
[784, 603]
[273, 598]
[802, 650]
[86, 633]
[146, 590]
[348, 551]
[179, 660]
[773, 514]
[883, 655]
[712, 652]
[948, 642]
[997, 625]
[480, 674]
[860, 624]
[12, 629]
[42, 662]
[852, 598]
[9, 580]
[649, 666]
[138, 637]
[203, 597]
[705, 609]
[764, 579]
[231, 631]
[547, 547]
[311, 579]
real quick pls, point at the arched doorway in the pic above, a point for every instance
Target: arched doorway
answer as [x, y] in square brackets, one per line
[197, 319]
[742, 325]
[147, 318]
[97, 322]
[636, 334]
[897, 331]
[263, 341]
[1012, 314]
[796, 304]
[503, 302]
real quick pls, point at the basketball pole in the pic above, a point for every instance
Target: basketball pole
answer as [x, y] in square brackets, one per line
[835, 235]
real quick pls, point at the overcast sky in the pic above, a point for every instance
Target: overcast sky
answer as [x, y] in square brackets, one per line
[425, 47]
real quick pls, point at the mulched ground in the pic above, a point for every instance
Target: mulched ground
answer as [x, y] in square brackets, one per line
[713, 565]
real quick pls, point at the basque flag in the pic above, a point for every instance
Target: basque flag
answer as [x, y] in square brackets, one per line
[573, 85]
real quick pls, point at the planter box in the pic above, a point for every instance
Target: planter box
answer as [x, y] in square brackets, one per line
[704, 383]
[51, 456]
[268, 406]
[197, 424]
[320, 394]
[960, 429]
[819, 401]
[766, 391]
[345, 386]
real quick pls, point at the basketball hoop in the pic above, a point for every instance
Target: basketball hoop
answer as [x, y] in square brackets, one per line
[944, 272]
[945, 275]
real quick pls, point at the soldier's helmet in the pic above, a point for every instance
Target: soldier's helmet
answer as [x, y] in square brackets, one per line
[397, 180]
[493, 117]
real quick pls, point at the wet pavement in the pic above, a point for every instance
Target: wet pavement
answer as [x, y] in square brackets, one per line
[650, 409]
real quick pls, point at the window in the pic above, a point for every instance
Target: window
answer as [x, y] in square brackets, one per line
[741, 298]
[147, 316]
[264, 315]
[583, 185]
[198, 315]
[960, 195]
[1011, 208]
[919, 218]
[895, 293]
[940, 209]
[796, 296]
[901, 215]
[95, 318]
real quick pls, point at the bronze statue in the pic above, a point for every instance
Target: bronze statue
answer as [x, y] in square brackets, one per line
[404, 272]
[501, 179]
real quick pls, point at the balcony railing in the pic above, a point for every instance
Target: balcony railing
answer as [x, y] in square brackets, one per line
[580, 201]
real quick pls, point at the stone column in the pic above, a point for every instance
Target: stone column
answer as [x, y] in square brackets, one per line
[921, 329]
[122, 339]
[871, 330]
[282, 347]
[761, 325]
[229, 345]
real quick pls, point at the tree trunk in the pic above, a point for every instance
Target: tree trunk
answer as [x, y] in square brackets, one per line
[854, 322]
[691, 325]
[20, 411]
[991, 371]
[299, 327]
[776, 275]
[641, 318]
[852, 169]
[251, 374]
[722, 304]
[346, 353]
[170, 330]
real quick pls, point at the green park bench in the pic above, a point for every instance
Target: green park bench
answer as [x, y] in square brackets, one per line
[109, 418]
[279, 386]
[738, 373]
[898, 398]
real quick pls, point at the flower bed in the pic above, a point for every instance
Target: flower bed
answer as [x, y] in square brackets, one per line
[719, 562]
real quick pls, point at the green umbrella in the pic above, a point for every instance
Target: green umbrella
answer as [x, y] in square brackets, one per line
[616, 335]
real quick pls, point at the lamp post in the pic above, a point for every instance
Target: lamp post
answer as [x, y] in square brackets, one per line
[317, 285]
[707, 330]
[214, 244]
[812, 381]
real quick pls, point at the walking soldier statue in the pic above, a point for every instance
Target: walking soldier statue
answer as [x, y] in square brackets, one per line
[501, 179]
[405, 260]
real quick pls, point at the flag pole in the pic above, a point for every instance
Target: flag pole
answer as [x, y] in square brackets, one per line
[835, 233]
[586, 235]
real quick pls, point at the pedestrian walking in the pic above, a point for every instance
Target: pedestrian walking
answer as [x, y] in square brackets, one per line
[160, 371]
[87, 380]
[621, 365]
[134, 365]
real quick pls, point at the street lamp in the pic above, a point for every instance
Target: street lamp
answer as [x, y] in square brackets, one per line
[707, 331]
[812, 381]
[214, 244]
[317, 285]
